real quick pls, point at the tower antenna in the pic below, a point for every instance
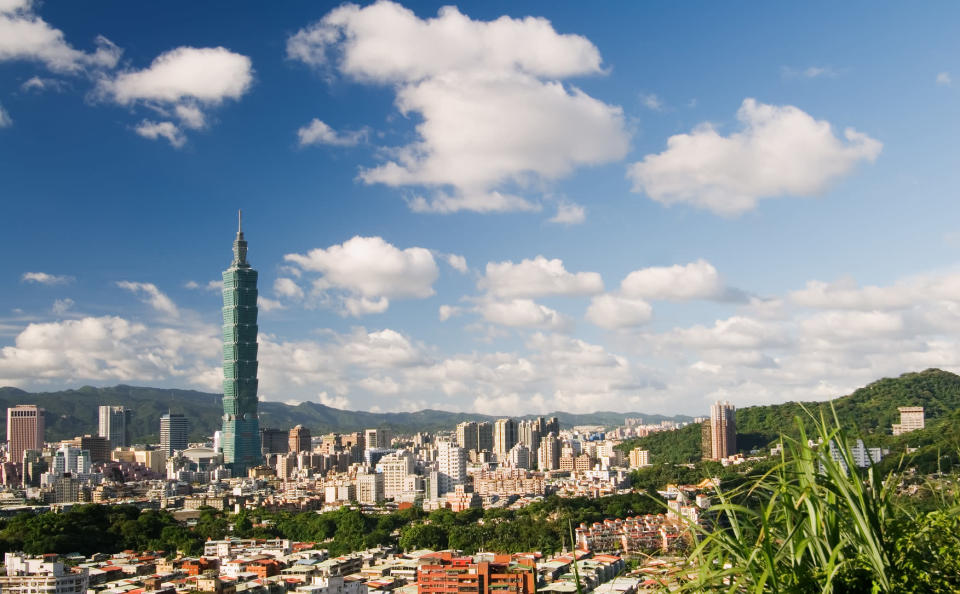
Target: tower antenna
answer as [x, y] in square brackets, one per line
[240, 221]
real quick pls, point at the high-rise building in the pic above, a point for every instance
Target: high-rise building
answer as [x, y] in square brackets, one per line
[548, 455]
[547, 426]
[528, 433]
[467, 435]
[173, 433]
[397, 468]
[719, 435]
[451, 466]
[274, 441]
[639, 458]
[485, 436]
[241, 427]
[504, 437]
[370, 488]
[377, 438]
[115, 425]
[300, 439]
[911, 419]
[28, 575]
[519, 456]
[25, 428]
[98, 446]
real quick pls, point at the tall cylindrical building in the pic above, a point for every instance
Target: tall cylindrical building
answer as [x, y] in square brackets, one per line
[241, 428]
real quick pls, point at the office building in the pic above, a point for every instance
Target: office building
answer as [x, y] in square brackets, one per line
[299, 439]
[115, 425]
[504, 437]
[240, 438]
[98, 446]
[173, 433]
[25, 429]
[274, 441]
[719, 434]
[911, 419]
[370, 488]
[377, 438]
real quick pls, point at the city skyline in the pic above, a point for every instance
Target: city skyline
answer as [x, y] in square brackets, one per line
[499, 209]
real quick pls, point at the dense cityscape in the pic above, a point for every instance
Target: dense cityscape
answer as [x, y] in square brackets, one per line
[401, 297]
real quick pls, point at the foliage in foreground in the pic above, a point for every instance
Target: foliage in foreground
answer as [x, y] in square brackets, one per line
[809, 525]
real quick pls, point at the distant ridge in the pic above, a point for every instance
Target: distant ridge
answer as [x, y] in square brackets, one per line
[74, 412]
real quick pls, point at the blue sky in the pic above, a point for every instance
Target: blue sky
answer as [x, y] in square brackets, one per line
[497, 207]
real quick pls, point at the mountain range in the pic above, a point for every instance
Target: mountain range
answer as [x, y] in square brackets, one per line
[70, 413]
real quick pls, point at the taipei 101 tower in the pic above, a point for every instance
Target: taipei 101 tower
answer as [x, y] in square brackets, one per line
[240, 437]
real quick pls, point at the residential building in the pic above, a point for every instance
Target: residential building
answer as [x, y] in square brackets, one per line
[451, 466]
[442, 573]
[485, 436]
[240, 435]
[29, 575]
[173, 433]
[504, 437]
[115, 425]
[911, 419]
[396, 468]
[528, 433]
[639, 458]
[370, 488]
[548, 455]
[467, 436]
[719, 436]
[25, 429]
[519, 456]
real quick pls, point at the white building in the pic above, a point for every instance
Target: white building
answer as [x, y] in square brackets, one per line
[334, 584]
[396, 469]
[370, 488]
[451, 466]
[519, 456]
[27, 575]
[911, 419]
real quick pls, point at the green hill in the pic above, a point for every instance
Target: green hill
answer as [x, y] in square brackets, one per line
[868, 413]
[75, 412]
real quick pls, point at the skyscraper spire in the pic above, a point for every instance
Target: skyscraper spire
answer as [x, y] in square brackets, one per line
[240, 435]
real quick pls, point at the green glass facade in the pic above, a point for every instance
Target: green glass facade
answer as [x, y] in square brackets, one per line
[240, 437]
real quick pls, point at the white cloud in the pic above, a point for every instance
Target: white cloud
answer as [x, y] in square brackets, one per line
[494, 113]
[537, 278]
[523, 313]
[26, 36]
[371, 271]
[809, 72]
[445, 312]
[737, 332]
[155, 130]
[5, 120]
[651, 101]
[39, 84]
[286, 287]
[62, 306]
[457, 262]
[151, 295]
[569, 213]
[696, 280]
[341, 402]
[43, 278]
[318, 132]
[780, 151]
[944, 79]
[214, 286]
[266, 304]
[184, 80]
[859, 325]
[613, 312]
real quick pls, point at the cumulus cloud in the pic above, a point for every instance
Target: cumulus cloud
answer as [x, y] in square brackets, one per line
[43, 278]
[780, 151]
[494, 112]
[62, 306]
[318, 132]
[457, 262]
[651, 101]
[613, 312]
[523, 313]
[569, 213]
[341, 402]
[26, 36]
[38, 84]
[445, 312]
[696, 280]
[266, 304]
[5, 120]
[287, 287]
[538, 277]
[214, 286]
[168, 130]
[151, 295]
[370, 271]
[181, 83]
